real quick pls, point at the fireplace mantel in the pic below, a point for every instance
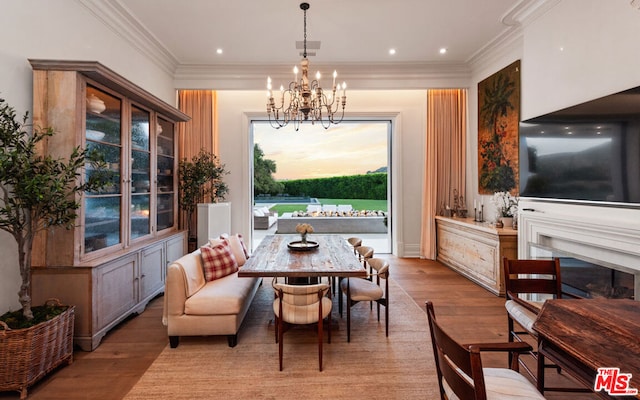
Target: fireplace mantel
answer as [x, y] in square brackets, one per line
[606, 235]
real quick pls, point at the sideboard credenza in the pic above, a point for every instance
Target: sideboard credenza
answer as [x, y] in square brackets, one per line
[475, 250]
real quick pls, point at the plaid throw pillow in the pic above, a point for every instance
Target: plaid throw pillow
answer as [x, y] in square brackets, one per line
[218, 261]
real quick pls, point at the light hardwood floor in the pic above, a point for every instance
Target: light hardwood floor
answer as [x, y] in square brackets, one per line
[471, 313]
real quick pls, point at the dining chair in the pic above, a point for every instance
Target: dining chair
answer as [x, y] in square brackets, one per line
[301, 305]
[355, 242]
[536, 279]
[365, 253]
[364, 289]
[462, 376]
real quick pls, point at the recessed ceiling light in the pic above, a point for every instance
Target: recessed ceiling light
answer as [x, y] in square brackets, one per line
[392, 52]
[443, 50]
[219, 51]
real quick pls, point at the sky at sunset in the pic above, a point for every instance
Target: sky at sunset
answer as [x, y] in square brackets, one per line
[349, 148]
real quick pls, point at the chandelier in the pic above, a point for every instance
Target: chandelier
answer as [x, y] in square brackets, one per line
[305, 100]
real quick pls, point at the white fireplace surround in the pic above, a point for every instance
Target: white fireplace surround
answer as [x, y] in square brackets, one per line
[609, 236]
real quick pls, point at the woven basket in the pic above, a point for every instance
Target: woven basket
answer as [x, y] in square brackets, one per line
[26, 355]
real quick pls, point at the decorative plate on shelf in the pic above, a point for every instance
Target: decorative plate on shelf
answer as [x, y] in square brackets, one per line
[299, 246]
[94, 135]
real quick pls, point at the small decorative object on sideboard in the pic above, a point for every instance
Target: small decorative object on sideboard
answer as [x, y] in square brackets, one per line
[478, 212]
[459, 207]
[506, 207]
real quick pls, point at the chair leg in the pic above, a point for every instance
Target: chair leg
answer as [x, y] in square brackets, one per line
[510, 336]
[386, 317]
[280, 347]
[329, 328]
[276, 328]
[348, 314]
[320, 343]
[340, 298]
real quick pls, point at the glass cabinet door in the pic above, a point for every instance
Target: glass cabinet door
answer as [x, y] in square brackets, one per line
[165, 162]
[103, 209]
[140, 173]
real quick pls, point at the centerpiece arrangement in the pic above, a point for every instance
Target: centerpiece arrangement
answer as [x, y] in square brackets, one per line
[506, 207]
[303, 244]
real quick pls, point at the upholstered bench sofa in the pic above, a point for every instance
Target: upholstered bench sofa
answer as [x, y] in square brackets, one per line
[197, 306]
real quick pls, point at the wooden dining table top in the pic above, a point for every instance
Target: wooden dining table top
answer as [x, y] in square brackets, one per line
[593, 333]
[273, 258]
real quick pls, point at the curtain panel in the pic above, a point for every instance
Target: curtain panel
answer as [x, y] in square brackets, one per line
[200, 133]
[445, 159]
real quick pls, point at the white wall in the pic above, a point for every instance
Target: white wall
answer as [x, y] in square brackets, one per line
[407, 107]
[569, 58]
[578, 51]
[599, 40]
[61, 29]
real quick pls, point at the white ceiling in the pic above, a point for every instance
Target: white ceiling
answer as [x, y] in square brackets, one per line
[261, 32]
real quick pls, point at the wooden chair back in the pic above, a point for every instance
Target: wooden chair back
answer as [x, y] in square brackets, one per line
[460, 367]
[532, 277]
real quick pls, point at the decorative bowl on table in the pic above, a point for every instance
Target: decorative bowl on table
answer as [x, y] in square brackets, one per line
[299, 245]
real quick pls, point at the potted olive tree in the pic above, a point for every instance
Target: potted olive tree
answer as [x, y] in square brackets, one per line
[37, 192]
[200, 180]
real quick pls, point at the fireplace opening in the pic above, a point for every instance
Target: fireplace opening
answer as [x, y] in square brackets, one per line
[590, 280]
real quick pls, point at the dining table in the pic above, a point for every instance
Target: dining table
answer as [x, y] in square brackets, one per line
[285, 256]
[594, 340]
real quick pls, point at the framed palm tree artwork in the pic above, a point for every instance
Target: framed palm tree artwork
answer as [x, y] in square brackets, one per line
[498, 124]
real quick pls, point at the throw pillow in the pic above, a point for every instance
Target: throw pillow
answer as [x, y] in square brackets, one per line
[237, 247]
[218, 261]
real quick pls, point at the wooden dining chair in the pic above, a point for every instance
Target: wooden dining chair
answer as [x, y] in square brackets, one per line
[540, 278]
[462, 376]
[301, 305]
[363, 289]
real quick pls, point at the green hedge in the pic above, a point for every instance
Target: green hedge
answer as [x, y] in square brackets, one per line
[369, 186]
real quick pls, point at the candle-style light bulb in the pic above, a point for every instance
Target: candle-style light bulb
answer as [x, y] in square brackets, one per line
[318, 75]
[344, 88]
[281, 88]
[269, 82]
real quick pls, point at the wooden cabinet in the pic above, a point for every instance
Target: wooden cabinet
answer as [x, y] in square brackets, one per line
[475, 250]
[107, 293]
[115, 257]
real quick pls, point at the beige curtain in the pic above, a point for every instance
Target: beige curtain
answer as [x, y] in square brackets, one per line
[445, 159]
[201, 132]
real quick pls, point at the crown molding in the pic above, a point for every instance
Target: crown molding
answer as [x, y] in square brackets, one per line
[121, 21]
[515, 19]
[357, 76]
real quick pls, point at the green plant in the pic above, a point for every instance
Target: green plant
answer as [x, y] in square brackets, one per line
[37, 191]
[200, 178]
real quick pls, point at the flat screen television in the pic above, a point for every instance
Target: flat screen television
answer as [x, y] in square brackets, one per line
[586, 153]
